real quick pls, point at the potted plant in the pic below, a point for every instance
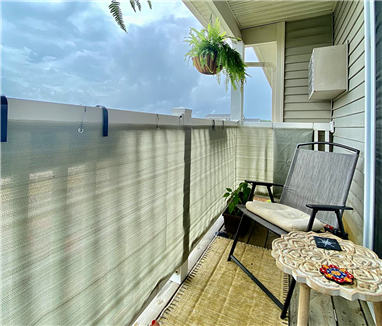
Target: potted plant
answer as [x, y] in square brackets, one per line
[232, 214]
[211, 54]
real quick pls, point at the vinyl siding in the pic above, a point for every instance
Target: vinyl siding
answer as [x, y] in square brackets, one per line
[301, 37]
[349, 109]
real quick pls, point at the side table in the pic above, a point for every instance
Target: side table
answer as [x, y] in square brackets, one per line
[296, 254]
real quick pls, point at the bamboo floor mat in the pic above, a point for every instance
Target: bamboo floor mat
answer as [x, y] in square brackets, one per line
[219, 293]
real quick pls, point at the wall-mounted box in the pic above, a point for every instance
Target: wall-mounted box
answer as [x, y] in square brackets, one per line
[328, 72]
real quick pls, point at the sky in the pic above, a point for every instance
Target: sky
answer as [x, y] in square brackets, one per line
[74, 52]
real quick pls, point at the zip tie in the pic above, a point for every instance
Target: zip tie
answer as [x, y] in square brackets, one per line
[81, 128]
[157, 121]
[105, 120]
[213, 123]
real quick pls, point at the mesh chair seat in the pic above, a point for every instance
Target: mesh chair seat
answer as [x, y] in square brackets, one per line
[285, 217]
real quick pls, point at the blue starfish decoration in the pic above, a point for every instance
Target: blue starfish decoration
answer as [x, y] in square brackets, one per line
[327, 242]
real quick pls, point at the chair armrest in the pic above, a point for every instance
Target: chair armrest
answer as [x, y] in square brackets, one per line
[262, 183]
[328, 208]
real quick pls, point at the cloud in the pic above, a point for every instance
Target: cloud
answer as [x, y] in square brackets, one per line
[74, 52]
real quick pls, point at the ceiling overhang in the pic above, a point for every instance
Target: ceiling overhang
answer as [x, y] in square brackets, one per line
[237, 16]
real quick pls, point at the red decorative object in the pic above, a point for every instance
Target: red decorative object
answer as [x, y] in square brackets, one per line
[336, 274]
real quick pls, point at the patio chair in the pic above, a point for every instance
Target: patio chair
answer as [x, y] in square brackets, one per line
[317, 186]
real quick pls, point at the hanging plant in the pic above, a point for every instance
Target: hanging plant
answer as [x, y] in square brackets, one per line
[211, 54]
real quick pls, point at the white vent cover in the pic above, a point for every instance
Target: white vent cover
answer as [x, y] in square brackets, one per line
[328, 72]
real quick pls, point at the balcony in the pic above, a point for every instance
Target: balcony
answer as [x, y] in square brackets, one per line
[100, 207]
[106, 212]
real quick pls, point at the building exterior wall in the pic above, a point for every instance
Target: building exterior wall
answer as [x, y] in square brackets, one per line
[349, 109]
[301, 37]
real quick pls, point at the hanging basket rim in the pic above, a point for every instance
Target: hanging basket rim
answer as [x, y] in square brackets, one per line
[209, 68]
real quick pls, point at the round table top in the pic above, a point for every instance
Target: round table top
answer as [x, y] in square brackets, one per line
[296, 254]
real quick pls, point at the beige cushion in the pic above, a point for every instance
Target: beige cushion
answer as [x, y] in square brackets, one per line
[285, 217]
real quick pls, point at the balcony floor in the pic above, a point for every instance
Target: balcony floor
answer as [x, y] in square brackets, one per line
[324, 310]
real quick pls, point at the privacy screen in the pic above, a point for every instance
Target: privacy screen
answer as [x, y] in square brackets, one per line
[212, 171]
[89, 224]
[265, 154]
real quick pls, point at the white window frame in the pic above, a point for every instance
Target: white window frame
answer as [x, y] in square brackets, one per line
[256, 35]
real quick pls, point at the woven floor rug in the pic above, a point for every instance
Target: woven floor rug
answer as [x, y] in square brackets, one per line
[218, 293]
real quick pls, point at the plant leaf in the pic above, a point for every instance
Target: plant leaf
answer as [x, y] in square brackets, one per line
[132, 4]
[138, 4]
[229, 189]
[115, 10]
[231, 207]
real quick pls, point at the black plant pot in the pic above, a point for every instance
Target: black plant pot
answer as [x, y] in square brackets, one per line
[231, 223]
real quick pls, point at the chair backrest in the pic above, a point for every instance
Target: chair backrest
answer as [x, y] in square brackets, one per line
[317, 177]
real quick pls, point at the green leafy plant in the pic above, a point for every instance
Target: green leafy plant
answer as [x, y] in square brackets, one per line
[116, 12]
[211, 44]
[236, 197]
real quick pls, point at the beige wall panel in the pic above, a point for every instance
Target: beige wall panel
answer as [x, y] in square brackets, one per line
[357, 93]
[351, 121]
[301, 37]
[350, 109]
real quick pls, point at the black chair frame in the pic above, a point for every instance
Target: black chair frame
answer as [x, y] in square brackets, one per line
[338, 210]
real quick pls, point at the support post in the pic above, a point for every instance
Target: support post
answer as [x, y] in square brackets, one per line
[185, 121]
[303, 305]
[327, 139]
[315, 139]
[378, 313]
[237, 94]
[278, 89]
[184, 114]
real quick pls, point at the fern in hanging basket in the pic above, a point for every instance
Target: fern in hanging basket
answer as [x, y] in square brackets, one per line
[211, 54]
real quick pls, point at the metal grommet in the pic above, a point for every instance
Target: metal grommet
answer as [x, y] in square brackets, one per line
[181, 119]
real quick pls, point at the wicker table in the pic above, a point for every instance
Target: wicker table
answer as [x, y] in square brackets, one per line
[296, 254]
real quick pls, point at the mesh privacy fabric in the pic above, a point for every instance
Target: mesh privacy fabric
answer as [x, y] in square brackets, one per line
[91, 224]
[265, 154]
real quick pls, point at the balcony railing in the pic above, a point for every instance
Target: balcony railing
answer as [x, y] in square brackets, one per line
[92, 223]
